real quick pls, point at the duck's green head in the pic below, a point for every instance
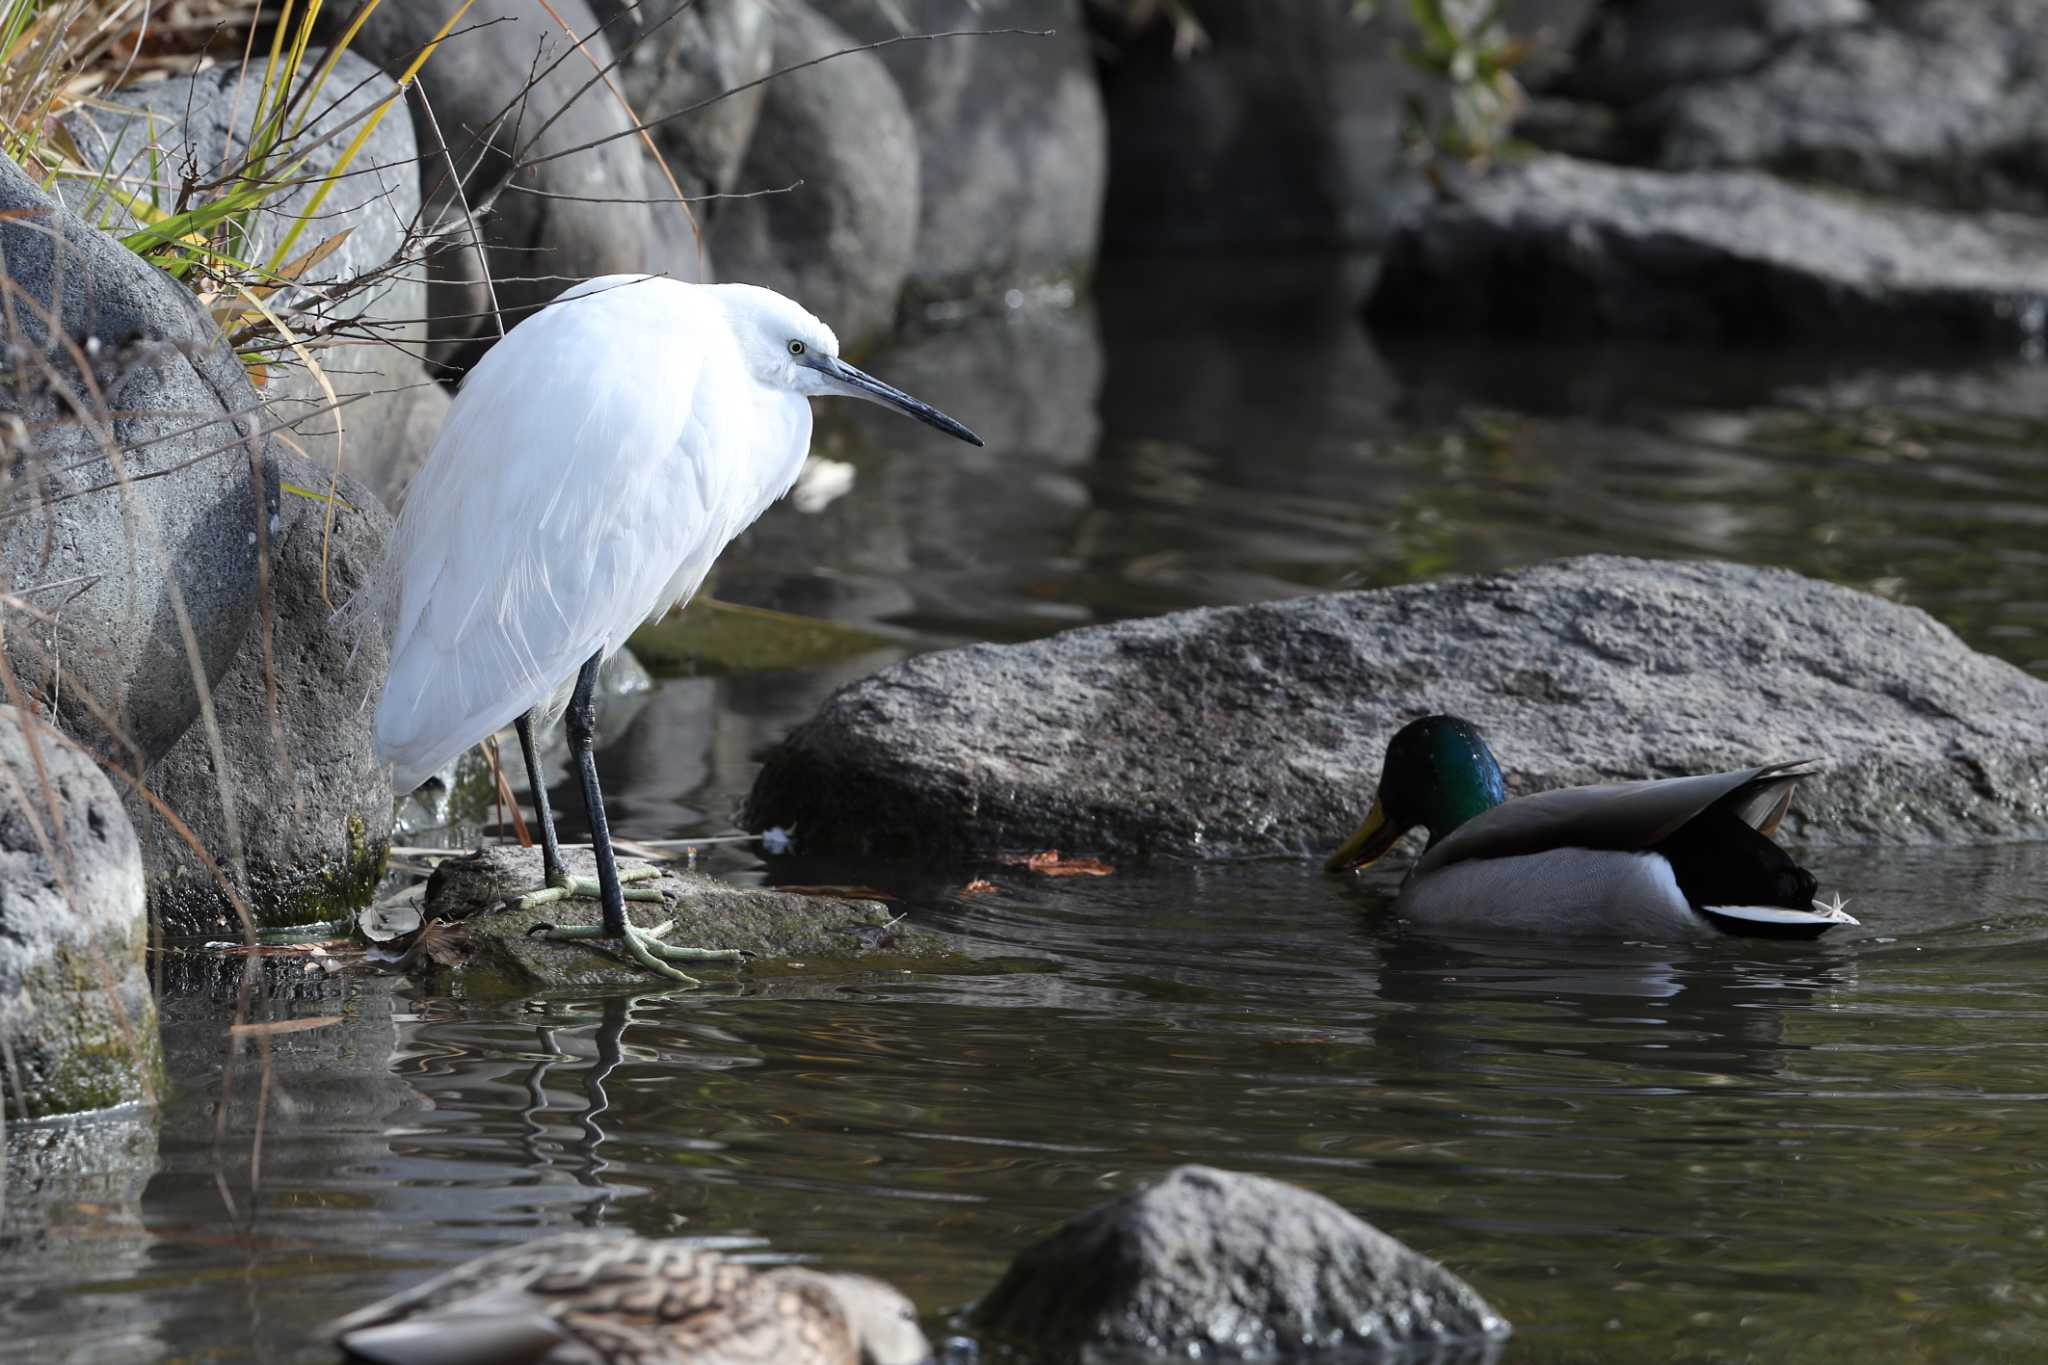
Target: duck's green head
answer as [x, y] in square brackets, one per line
[1439, 774]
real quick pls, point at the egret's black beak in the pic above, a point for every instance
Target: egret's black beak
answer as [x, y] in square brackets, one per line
[860, 384]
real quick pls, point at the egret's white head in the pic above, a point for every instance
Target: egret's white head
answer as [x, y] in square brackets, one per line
[785, 347]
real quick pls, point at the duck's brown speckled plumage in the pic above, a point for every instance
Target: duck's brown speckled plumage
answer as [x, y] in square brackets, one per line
[607, 1299]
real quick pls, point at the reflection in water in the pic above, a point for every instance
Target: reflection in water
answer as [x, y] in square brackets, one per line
[1752, 1149]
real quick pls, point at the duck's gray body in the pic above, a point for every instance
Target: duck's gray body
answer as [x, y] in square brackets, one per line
[1584, 859]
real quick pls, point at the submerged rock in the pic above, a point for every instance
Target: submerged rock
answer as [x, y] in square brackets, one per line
[109, 558]
[782, 930]
[312, 803]
[75, 1009]
[1260, 730]
[1555, 247]
[74, 1214]
[1217, 1265]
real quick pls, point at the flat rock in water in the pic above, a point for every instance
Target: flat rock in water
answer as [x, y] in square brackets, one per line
[783, 930]
[1563, 248]
[1217, 1265]
[1261, 730]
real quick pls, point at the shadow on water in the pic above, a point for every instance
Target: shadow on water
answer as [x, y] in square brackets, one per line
[1722, 1151]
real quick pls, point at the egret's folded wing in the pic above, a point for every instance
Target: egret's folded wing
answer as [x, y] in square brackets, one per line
[554, 507]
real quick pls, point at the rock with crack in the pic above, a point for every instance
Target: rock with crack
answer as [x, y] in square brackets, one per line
[781, 931]
[510, 89]
[1260, 730]
[1218, 1265]
[301, 815]
[1558, 248]
[680, 54]
[1012, 144]
[841, 241]
[131, 519]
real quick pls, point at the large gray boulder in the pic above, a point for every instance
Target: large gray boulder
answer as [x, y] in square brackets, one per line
[561, 220]
[1630, 52]
[1261, 730]
[311, 803]
[840, 243]
[134, 519]
[1557, 247]
[75, 1008]
[1932, 100]
[1012, 143]
[1205, 1264]
[389, 469]
[373, 331]
[682, 53]
[1286, 123]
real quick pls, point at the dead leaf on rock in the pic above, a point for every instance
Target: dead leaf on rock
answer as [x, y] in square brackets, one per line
[1051, 864]
[447, 944]
[980, 886]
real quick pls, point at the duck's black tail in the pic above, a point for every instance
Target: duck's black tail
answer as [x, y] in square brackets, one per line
[1735, 876]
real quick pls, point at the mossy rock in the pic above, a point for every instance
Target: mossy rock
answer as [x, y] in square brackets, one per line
[75, 1008]
[785, 934]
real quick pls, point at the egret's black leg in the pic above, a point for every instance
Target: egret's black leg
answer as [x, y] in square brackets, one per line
[643, 945]
[580, 720]
[543, 811]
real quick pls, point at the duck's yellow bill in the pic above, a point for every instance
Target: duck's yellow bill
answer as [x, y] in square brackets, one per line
[1373, 838]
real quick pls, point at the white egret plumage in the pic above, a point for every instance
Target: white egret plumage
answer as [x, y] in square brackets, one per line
[590, 470]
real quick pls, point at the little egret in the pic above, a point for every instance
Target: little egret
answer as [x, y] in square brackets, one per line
[594, 464]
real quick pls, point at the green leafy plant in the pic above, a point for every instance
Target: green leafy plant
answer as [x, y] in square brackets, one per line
[59, 55]
[1466, 47]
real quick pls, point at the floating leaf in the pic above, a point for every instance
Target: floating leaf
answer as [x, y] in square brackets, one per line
[980, 886]
[276, 1026]
[1051, 864]
[851, 893]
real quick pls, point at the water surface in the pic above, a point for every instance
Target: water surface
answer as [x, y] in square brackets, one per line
[1722, 1152]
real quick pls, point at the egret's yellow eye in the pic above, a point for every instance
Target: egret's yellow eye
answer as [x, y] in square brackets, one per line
[796, 348]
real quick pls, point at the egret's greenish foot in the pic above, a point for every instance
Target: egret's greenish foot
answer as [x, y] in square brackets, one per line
[642, 945]
[562, 886]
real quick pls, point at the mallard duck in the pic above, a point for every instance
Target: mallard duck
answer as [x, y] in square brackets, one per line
[609, 1299]
[1683, 857]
